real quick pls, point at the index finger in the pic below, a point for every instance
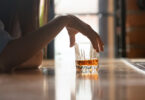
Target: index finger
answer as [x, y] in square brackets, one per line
[100, 43]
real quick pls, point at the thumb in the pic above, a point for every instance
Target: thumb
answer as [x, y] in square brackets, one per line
[72, 40]
[72, 32]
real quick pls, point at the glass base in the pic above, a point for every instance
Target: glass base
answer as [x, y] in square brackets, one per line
[87, 69]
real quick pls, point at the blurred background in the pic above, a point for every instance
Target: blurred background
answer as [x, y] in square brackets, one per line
[120, 23]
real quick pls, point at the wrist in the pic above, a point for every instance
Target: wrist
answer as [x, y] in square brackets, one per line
[69, 19]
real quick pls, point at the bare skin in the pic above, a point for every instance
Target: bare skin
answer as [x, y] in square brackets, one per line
[22, 49]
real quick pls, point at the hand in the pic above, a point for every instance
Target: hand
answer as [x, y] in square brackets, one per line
[72, 32]
[76, 25]
[95, 40]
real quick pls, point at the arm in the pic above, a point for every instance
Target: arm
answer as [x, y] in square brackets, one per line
[18, 51]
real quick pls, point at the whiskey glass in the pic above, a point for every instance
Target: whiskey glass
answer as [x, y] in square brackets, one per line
[87, 59]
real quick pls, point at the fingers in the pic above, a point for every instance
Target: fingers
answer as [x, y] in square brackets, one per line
[100, 44]
[97, 43]
[78, 25]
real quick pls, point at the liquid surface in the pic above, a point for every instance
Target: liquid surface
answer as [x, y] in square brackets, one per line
[87, 66]
[87, 62]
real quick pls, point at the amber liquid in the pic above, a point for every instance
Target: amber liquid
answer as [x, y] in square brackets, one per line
[94, 76]
[88, 65]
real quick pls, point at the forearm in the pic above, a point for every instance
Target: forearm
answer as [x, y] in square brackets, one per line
[18, 51]
[32, 62]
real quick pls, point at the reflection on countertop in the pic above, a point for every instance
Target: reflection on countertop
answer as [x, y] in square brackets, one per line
[114, 81]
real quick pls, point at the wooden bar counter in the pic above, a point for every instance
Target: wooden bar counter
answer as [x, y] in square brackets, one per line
[59, 81]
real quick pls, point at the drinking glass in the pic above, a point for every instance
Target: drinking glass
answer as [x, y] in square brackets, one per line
[87, 59]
